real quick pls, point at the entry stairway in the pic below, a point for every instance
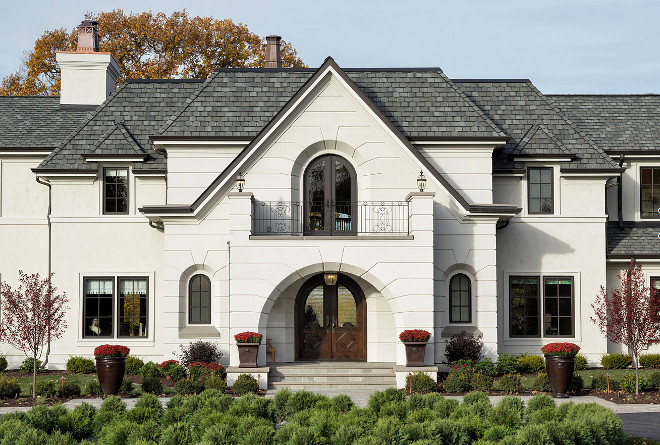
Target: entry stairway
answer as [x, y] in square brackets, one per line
[331, 376]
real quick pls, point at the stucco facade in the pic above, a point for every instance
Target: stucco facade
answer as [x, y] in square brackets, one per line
[401, 250]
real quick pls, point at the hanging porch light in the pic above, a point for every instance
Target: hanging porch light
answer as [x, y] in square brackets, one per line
[330, 278]
[240, 182]
[421, 181]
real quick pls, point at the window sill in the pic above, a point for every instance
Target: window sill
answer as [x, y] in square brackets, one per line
[336, 238]
[201, 331]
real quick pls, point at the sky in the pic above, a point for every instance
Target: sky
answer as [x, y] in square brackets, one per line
[563, 46]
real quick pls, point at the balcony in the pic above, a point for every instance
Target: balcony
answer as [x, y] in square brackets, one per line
[360, 218]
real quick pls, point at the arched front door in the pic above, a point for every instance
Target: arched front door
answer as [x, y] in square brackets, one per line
[331, 321]
[330, 195]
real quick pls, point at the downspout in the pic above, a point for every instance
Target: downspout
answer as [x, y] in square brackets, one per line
[50, 249]
[619, 181]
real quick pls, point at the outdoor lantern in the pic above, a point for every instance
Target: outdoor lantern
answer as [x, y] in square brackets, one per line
[421, 181]
[240, 182]
[330, 278]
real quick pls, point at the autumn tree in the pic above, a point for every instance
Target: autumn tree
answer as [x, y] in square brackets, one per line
[32, 315]
[629, 315]
[148, 46]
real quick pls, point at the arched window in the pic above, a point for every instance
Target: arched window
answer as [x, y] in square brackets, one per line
[460, 299]
[330, 195]
[199, 300]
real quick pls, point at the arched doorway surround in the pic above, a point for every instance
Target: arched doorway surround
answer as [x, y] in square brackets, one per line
[330, 195]
[331, 321]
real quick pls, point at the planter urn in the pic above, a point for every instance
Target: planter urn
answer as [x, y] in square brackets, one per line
[110, 371]
[247, 354]
[415, 353]
[560, 373]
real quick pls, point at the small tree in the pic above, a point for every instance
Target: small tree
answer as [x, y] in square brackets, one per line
[30, 314]
[629, 315]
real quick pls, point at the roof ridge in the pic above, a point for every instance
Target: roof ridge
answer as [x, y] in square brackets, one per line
[472, 104]
[168, 123]
[607, 95]
[486, 80]
[80, 127]
[573, 126]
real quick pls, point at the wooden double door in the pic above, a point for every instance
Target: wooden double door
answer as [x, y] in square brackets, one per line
[331, 320]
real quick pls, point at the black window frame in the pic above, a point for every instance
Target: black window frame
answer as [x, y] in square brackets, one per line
[105, 196]
[539, 303]
[84, 311]
[655, 214]
[460, 306]
[190, 283]
[118, 301]
[115, 317]
[541, 198]
[656, 291]
[545, 298]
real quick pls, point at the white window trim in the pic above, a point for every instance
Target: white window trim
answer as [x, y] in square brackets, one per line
[127, 341]
[542, 339]
[473, 289]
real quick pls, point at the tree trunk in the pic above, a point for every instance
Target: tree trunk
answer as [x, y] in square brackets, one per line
[34, 376]
[636, 373]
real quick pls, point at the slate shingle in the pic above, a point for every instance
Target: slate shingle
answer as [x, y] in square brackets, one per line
[36, 121]
[634, 239]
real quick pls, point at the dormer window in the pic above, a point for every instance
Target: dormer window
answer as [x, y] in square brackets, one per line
[650, 192]
[539, 190]
[115, 191]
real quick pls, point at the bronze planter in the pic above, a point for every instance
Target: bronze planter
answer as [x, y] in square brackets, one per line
[110, 371]
[247, 354]
[560, 373]
[415, 353]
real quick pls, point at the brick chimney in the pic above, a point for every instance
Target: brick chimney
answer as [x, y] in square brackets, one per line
[88, 76]
[273, 52]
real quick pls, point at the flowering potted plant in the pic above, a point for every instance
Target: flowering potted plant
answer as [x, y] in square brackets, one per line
[560, 362]
[248, 348]
[110, 367]
[415, 341]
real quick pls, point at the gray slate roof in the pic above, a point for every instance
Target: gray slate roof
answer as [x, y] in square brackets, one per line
[634, 239]
[141, 107]
[36, 121]
[615, 122]
[240, 102]
[516, 106]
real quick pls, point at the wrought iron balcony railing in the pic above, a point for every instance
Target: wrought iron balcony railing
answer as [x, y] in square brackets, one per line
[330, 218]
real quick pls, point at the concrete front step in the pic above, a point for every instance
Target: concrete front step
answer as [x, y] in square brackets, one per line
[332, 376]
[339, 388]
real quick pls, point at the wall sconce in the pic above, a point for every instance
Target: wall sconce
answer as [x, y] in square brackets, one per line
[240, 182]
[421, 181]
[330, 278]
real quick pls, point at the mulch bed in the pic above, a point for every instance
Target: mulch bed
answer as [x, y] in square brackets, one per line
[624, 398]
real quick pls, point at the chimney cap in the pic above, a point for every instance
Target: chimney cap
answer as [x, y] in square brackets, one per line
[273, 36]
[88, 23]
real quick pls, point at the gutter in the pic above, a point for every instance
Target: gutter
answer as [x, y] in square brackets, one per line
[619, 181]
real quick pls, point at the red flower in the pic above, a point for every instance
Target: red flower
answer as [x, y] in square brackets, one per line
[414, 335]
[248, 337]
[111, 351]
[168, 362]
[562, 349]
[209, 366]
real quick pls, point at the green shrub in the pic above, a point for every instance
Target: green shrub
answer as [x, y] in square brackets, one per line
[628, 383]
[244, 384]
[420, 383]
[580, 362]
[113, 404]
[175, 371]
[3, 363]
[506, 364]
[342, 403]
[147, 408]
[150, 370]
[117, 432]
[508, 412]
[9, 388]
[541, 382]
[459, 379]
[599, 383]
[214, 381]
[481, 382]
[68, 389]
[152, 385]
[654, 380]
[302, 400]
[394, 408]
[485, 366]
[42, 418]
[649, 360]
[280, 399]
[80, 365]
[576, 384]
[188, 386]
[45, 388]
[529, 364]
[133, 365]
[510, 383]
[616, 361]
[93, 388]
[78, 422]
[27, 365]
[533, 434]
[126, 386]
